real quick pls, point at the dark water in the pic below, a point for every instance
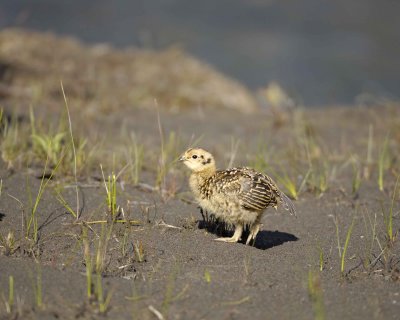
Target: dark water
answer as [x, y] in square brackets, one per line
[320, 51]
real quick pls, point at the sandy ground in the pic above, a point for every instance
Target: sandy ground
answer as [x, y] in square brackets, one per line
[168, 266]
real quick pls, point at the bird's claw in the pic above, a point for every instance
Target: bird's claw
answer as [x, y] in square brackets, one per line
[231, 239]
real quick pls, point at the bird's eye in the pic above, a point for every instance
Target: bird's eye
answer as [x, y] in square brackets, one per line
[194, 156]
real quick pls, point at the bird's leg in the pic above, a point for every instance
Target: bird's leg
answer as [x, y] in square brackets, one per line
[205, 222]
[236, 236]
[202, 214]
[254, 229]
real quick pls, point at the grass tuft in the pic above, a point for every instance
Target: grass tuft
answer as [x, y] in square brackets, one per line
[319, 178]
[8, 243]
[169, 296]
[342, 252]
[37, 288]
[135, 158]
[139, 251]
[14, 143]
[389, 216]
[356, 179]
[346, 245]
[321, 258]
[111, 194]
[382, 163]
[88, 261]
[289, 184]
[103, 302]
[9, 302]
[73, 150]
[207, 276]
[316, 295]
[64, 203]
[32, 222]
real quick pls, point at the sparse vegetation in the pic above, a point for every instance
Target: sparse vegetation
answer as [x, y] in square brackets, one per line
[319, 178]
[98, 234]
[389, 216]
[88, 261]
[124, 229]
[207, 276]
[369, 158]
[32, 220]
[346, 245]
[64, 203]
[135, 158]
[111, 192]
[14, 143]
[139, 251]
[382, 163]
[103, 302]
[356, 180]
[8, 243]
[9, 301]
[316, 295]
[170, 151]
[290, 185]
[321, 258]
[169, 296]
[80, 152]
[37, 288]
[343, 250]
[370, 229]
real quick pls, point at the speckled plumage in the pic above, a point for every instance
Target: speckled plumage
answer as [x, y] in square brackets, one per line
[238, 196]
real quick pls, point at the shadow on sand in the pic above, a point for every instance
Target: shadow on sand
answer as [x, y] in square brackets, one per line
[265, 239]
[268, 239]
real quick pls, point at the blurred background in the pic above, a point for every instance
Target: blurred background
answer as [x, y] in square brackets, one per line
[321, 52]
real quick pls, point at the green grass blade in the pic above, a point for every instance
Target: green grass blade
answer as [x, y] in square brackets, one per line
[73, 149]
[10, 292]
[381, 162]
[65, 204]
[390, 219]
[346, 244]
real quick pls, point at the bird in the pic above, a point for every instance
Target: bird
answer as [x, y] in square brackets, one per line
[237, 196]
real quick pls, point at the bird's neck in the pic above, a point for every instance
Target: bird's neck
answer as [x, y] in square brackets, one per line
[205, 173]
[198, 178]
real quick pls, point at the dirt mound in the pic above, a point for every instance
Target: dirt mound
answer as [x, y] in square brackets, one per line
[103, 78]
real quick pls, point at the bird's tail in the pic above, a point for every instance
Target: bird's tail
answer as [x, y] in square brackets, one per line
[287, 204]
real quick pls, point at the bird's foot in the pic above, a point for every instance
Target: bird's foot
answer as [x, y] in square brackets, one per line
[236, 236]
[253, 233]
[229, 239]
[249, 238]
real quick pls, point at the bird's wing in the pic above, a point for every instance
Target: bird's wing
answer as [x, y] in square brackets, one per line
[258, 191]
[271, 193]
[253, 190]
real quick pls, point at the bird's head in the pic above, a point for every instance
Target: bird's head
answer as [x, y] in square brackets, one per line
[198, 160]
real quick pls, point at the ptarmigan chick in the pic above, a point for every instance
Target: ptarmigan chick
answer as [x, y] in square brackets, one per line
[238, 196]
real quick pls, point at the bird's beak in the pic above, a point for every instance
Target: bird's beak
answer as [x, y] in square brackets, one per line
[182, 158]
